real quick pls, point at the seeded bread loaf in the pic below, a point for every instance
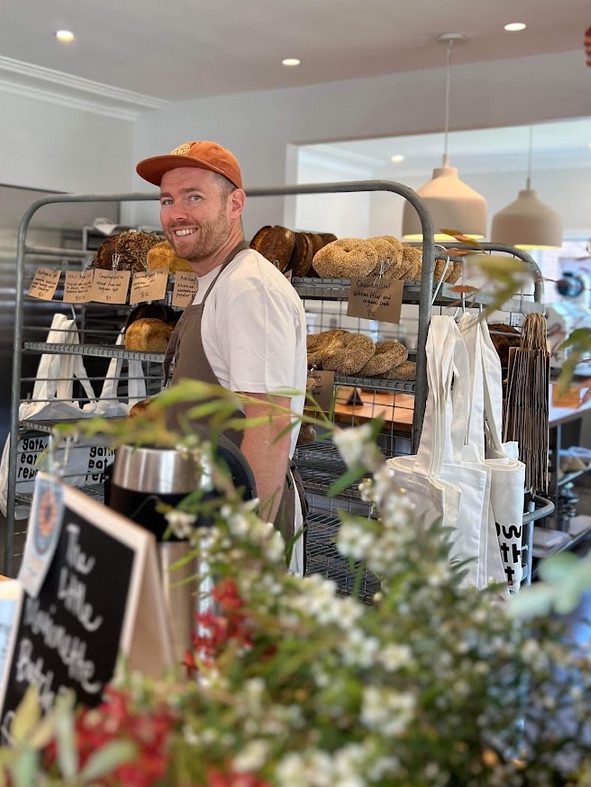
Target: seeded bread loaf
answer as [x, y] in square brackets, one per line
[127, 251]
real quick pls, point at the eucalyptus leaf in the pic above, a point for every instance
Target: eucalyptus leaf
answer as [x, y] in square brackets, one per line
[26, 716]
[25, 771]
[67, 754]
[109, 757]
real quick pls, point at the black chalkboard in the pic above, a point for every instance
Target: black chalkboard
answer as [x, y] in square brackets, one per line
[71, 635]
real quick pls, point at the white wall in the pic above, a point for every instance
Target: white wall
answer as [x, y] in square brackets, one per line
[60, 148]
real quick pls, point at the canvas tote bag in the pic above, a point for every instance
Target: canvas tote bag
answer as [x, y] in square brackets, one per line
[507, 472]
[455, 461]
[419, 475]
[79, 463]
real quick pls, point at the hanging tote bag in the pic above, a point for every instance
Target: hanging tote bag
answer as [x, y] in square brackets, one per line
[455, 462]
[419, 475]
[82, 462]
[507, 472]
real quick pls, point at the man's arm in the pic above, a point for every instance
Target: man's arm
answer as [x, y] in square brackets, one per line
[267, 455]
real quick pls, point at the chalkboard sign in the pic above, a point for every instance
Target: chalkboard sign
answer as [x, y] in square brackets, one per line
[101, 581]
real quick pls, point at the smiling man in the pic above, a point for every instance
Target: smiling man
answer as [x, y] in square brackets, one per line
[246, 329]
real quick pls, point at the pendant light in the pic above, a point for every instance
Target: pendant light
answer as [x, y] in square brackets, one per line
[528, 223]
[452, 204]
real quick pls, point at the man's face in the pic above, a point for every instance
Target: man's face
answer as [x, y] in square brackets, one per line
[196, 212]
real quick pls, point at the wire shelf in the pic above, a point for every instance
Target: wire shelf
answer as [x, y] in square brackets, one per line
[324, 558]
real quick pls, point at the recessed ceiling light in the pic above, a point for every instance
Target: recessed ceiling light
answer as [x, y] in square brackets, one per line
[513, 27]
[290, 62]
[397, 158]
[65, 36]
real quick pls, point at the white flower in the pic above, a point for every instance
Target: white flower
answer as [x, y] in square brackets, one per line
[182, 523]
[252, 756]
[393, 657]
[387, 711]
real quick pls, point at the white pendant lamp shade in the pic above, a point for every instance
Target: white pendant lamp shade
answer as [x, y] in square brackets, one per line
[527, 223]
[453, 205]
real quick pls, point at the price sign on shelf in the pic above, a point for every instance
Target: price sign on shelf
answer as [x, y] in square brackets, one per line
[44, 284]
[185, 287]
[375, 299]
[110, 286]
[78, 286]
[148, 286]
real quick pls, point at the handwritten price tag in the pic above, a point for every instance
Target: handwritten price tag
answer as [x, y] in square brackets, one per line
[78, 286]
[149, 286]
[185, 287]
[375, 299]
[44, 284]
[110, 286]
[319, 388]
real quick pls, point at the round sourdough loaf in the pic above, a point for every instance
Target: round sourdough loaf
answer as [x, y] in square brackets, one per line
[148, 334]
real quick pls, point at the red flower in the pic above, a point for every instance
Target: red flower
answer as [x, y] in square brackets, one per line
[215, 631]
[216, 778]
[115, 719]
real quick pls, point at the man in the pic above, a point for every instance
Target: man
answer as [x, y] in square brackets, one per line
[246, 329]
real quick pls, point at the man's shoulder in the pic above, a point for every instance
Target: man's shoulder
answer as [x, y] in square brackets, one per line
[250, 269]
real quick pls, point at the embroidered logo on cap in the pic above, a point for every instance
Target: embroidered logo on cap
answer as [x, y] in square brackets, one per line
[182, 150]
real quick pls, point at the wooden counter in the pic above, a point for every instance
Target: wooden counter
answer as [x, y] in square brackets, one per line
[395, 408]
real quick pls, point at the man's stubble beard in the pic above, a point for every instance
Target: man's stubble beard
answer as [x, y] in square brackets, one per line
[206, 242]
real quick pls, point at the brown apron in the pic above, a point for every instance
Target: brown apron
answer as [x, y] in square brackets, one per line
[185, 358]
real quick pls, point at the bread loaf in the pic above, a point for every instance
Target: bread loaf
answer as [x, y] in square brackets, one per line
[158, 311]
[127, 251]
[162, 255]
[148, 334]
[276, 244]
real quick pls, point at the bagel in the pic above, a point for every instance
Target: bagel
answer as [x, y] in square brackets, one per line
[354, 352]
[412, 262]
[454, 272]
[407, 370]
[388, 353]
[395, 267]
[345, 259]
[319, 344]
[387, 257]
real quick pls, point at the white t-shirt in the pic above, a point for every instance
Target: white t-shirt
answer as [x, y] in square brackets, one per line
[254, 330]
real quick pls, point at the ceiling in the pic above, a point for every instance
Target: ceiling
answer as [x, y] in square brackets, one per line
[182, 49]
[147, 52]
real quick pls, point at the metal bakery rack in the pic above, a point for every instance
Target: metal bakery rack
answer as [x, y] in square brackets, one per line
[401, 404]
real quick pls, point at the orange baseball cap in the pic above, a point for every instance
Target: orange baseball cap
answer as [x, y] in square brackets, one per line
[203, 155]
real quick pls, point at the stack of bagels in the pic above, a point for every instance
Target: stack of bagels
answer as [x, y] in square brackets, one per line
[384, 256]
[355, 355]
[322, 255]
